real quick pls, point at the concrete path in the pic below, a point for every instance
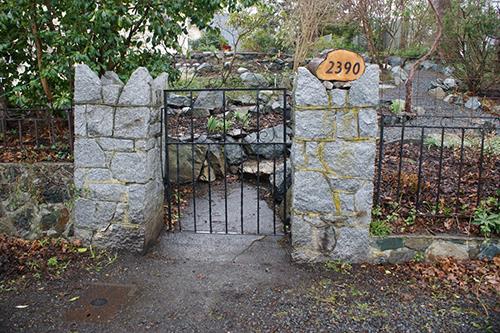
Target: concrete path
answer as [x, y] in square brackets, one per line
[220, 283]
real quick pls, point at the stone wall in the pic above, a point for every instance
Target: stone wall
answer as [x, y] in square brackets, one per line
[117, 158]
[333, 156]
[36, 199]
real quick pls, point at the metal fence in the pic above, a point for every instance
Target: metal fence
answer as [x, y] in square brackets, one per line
[435, 168]
[206, 191]
[36, 130]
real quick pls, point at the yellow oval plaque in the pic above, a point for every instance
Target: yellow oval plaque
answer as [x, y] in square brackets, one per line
[339, 65]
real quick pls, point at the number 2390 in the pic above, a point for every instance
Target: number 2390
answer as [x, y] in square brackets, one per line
[337, 67]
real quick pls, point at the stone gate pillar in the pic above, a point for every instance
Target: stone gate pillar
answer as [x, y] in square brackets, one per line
[333, 156]
[117, 159]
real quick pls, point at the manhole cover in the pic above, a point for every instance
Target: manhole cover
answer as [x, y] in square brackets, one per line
[101, 302]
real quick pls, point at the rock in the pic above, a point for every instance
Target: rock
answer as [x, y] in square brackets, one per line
[427, 64]
[420, 111]
[111, 87]
[177, 101]
[227, 64]
[207, 173]
[328, 85]
[241, 70]
[417, 244]
[365, 91]
[389, 243]
[158, 87]
[387, 86]
[277, 107]
[342, 85]
[244, 99]
[394, 61]
[187, 166]
[253, 80]
[489, 251]
[132, 122]
[338, 97]
[262, 167]
[209, 100]
[473, 103]
[88, 154]
[450, 83]
[274, 136]
[437, 92]
[233, 152]
[137, 91]
[87, 85]
[442, 249]
[99, 120]
[447, 70]
[278, 180]
[204, 68]
[308, 90]
[399, 75]
[450, 98]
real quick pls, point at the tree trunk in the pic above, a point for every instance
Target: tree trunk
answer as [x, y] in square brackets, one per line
[435, 44]
[39, 58]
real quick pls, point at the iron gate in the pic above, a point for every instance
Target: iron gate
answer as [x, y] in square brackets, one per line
[225, 160]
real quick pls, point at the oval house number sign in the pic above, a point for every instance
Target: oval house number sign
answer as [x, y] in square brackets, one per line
[338, 65]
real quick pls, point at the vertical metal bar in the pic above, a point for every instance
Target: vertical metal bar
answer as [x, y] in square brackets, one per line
[241, 196]
[51, 128]
[209, 190]
[285, 148]
[400, 166]
[36, 134]
[70, 129]
[379, 162]
[167, 163]
[258, 163]
[193, 179]
[420, 159]
[440, 168]
[20, 133]
[460, 168]
[481, 158]
[274, 191]
[225, 159]
[177, 185]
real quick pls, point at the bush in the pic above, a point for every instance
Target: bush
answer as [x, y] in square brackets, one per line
[471, 29]
[211, 40]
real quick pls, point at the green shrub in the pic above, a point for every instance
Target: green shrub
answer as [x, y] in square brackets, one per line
[470, 28]
[487, 216]
[211, 40]
[412, 52]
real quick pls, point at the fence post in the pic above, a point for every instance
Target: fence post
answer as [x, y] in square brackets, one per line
[117, 159]
[333, 157]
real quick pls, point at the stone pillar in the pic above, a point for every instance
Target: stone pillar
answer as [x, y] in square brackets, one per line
[117, 159]
[333, 157]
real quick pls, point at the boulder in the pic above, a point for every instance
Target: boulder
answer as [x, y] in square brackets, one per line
[473, 103]
[261, 168]
[253, 80]
[233, 152]
[274, 136]
[450, 83]
[177, 101]
[437, 92]
[278, 180]
[241, 70]
[394, 61]
[399, 75]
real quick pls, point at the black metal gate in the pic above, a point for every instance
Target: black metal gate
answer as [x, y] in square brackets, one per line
[225, 160]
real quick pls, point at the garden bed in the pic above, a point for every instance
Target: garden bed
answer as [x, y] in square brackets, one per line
[445, 206]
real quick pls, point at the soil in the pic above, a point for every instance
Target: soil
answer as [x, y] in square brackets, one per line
[458, 189]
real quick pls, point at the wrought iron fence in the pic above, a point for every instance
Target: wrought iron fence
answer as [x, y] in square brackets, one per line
[36, 131]
[208, 191]
[436, 167]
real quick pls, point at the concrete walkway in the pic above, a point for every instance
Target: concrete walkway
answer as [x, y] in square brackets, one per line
[219, 283]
